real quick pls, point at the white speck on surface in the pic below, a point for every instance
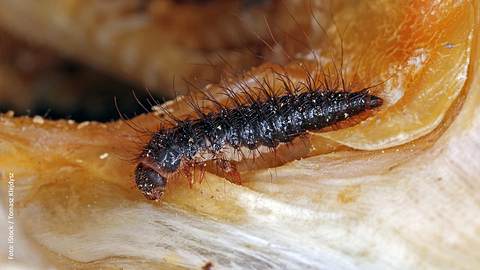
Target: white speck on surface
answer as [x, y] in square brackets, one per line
[70, 122]
[419, 57]
[38, 119]
[78, 160]
[83, 124]
[449, 45]
[10, 113]
[103, 156]
[462, 76]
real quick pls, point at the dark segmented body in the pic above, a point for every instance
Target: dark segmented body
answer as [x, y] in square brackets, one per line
[268, 123]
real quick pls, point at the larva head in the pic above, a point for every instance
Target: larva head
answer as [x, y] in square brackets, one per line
[150, 182]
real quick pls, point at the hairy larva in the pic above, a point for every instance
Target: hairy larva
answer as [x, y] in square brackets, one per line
[269, 122]
[252, 123]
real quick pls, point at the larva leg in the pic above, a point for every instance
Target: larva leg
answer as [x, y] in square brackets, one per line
[230, 170]
[199, 172]
[187, 172]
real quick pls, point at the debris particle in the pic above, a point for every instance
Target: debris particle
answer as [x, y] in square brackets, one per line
[83, 124]
[38, 120]
[207, 266]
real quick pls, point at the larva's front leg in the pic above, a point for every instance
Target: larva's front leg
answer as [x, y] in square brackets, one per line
[230, 170]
